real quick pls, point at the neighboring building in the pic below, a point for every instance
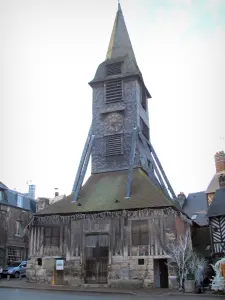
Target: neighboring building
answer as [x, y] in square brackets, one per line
[207, 209]
[220, 170]
[43, 202]
[114, 230]
[195, 206]
[16, 211]
[216, 201]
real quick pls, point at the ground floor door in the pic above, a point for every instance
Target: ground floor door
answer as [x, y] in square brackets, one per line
[161, 273]
[96, 258]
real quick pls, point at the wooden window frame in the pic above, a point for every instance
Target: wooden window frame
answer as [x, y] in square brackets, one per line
[139, 237]
[52, 236]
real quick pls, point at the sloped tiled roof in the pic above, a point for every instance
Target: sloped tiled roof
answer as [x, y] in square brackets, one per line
[196, 203]
[106, 192]
[3, 186]
[217, 207]
[214, 184]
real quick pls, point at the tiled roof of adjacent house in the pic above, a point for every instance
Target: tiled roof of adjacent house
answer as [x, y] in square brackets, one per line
[106, 192]
[3, 186]
[196, 204]
[214, 184]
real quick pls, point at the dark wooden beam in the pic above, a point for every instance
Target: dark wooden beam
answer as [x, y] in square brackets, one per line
[161, 168]
[82, 160]
[84, 169]
[131, 163]
[148, 154]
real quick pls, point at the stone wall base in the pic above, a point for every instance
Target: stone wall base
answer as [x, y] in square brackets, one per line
[126, 284]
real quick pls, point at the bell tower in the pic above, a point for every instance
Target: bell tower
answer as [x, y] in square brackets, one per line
[119, 138]
[119, 105]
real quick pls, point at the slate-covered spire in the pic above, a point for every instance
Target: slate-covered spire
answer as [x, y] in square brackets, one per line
[120, 44]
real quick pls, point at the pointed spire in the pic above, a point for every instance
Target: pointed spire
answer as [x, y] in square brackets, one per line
[119, 6]
[120, 43]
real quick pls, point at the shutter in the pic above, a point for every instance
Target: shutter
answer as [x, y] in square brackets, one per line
[113, 69]
[113, 145]
[113, 91]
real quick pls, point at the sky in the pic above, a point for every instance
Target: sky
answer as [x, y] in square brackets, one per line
[50, 50]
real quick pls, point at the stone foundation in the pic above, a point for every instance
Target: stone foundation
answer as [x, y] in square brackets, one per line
[130, 273]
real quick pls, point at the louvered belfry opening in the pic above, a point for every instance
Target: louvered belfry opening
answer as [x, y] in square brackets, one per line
[113, 145]
[113, 69]
[114, 91]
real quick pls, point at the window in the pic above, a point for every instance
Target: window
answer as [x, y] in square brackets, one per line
[39, 261]
[113, 69]
[19, 228]
[1, 196]
[24, 265]
[141, 261]
[113, 91]
[140, 235]
[113, 145]
[19, 201]
[15, 255]
[52, 236]
[194, 217]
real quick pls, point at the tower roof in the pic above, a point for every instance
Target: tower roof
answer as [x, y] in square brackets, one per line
[120, 44]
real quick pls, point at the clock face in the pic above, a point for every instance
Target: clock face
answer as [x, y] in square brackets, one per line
[113, 122]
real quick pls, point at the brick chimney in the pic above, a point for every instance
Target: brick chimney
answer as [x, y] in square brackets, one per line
[56, 192]
[220, 161]
[222, 181]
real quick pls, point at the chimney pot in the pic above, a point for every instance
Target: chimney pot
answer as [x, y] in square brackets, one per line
[222, 181]
[56, 192]
[220, 161]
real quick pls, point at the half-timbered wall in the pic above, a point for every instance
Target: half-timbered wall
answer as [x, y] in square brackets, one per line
[218, 234]
[134, 243]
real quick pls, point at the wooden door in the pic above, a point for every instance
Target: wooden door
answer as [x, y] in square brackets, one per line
[96, 259]
[164, 282]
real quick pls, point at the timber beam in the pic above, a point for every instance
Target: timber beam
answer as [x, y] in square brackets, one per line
[131, 163]
[158, 167]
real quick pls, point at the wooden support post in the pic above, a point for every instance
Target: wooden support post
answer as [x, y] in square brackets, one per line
[163, 173]
[81, 164]
[84, 169]
[153, 162]
[131, 163]
[160, 168]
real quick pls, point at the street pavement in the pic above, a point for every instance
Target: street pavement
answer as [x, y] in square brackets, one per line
[18, 294]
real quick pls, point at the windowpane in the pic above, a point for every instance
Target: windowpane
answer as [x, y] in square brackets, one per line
[47, 241]
[19, 201]
[52, 236]
[140, 235]
[135, 239]
[55, 231]
[55, 241]
[48, 232]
